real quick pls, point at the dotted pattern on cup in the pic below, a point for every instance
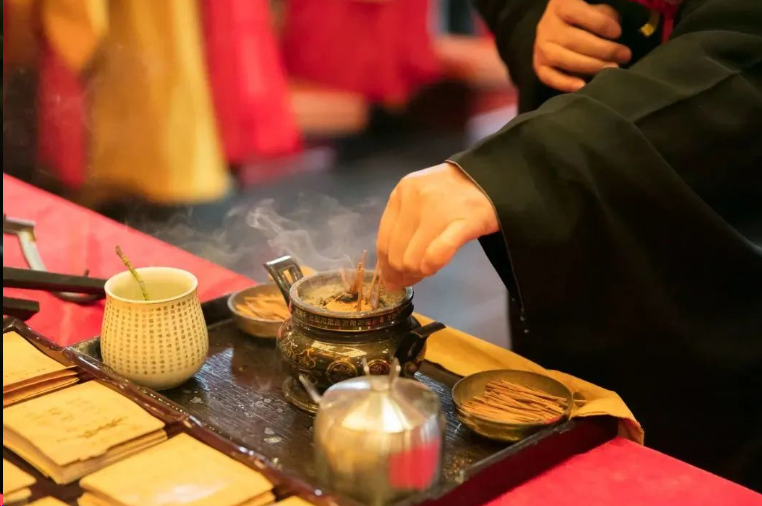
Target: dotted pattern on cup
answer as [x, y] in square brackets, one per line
[154, 339]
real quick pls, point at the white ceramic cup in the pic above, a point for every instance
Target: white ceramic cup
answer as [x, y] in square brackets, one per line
[159, 343]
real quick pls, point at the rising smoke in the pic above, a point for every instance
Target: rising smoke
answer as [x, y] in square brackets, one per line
[318, 232]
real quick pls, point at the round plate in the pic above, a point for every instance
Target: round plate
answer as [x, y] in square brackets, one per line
[266, 329]
[471, 386]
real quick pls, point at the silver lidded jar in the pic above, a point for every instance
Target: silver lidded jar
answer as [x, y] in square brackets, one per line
[329, 346]
[378, 439]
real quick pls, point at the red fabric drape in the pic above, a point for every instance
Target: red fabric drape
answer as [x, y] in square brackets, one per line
[62, 120]
[248, 81]
[72, 239]
[381, 49]
[668, 9]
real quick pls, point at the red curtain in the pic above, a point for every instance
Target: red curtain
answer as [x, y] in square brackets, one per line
[248, 81]
[382, 49]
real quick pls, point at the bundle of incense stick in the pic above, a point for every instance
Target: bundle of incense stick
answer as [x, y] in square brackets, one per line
[512, 403]
[264, 307]
[356, 287]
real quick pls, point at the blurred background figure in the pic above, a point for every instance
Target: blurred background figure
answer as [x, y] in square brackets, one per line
[154, 133]
[156, 101]
[249, 86]
[382, 49]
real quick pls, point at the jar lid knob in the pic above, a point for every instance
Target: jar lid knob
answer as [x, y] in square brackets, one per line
[394, 373]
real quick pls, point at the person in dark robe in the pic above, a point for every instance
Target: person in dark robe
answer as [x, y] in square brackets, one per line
[625, 218]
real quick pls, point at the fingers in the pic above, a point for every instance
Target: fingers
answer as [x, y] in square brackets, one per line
[573, 40]
[435, 255]
[417, 246]
[430, 215]
[569, 61]
[404, 228]
[446, 245]
[608, 11]
[558, 80]
[388, 221]
[586, 43]
[599, 21]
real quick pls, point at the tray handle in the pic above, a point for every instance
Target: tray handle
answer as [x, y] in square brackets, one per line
[277, 269]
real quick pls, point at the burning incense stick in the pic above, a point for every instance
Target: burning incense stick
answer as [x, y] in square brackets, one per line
[374, 293]
[345, 280]
[360, 279]
[360, 275]
[128, 264]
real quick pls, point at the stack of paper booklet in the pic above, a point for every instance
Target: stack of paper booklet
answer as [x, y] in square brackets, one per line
[16, 484]
[183, 472]
[28, 372]
[78, 430]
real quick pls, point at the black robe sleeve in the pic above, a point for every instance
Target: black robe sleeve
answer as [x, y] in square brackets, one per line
[624, 205]
[514, 25]
[628, 213]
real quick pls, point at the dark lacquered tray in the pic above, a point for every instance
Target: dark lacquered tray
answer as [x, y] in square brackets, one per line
[237, 397]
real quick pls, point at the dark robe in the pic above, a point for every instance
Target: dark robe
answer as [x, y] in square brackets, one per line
[631, 218]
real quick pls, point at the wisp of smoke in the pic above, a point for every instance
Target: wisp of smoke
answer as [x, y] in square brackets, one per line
[319, 233]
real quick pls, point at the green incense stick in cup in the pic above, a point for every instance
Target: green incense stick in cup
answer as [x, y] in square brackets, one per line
[128, 264]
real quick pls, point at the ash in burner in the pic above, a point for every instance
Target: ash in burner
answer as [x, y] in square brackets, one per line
[346, 298]
[350, 292]
[347, 303]
[331, 296]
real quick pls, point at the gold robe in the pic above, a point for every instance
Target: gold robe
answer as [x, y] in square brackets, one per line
[153, 130]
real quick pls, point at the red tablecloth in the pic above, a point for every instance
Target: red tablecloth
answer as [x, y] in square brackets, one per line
[72, 239]
[618, 473]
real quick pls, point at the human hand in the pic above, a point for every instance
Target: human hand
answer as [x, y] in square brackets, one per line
[575, 39]
[430, 215]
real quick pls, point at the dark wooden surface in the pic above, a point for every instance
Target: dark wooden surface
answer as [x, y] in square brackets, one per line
[236, 405]
[238, 394]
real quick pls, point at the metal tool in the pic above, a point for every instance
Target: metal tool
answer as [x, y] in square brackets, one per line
[20, 308]
[24, 231]
[51, 281]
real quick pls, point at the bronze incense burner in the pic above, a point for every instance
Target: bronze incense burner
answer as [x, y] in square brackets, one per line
[328, 346]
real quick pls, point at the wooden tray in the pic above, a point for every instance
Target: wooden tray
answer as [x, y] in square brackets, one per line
[235, 403]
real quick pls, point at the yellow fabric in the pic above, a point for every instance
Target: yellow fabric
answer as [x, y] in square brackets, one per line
[463, 355]
[20, 42]
[293, 501]
[154, 132]
[48, 501]
[74, 28]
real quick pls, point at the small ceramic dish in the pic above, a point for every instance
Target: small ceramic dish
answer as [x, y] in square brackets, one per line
[266, 329]
[474, 385]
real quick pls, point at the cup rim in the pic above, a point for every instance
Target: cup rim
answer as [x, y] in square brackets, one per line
[110, 282]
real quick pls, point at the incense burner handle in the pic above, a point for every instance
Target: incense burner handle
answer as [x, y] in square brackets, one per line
[278, 269]
[409, 351]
